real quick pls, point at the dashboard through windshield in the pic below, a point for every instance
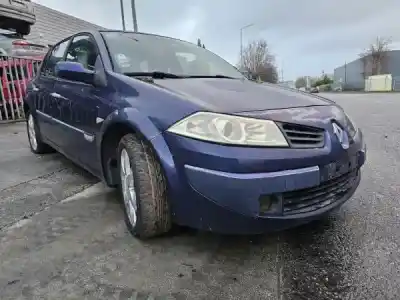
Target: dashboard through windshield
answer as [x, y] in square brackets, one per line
[134, 53]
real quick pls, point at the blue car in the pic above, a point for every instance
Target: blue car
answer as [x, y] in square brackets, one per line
[187, 139]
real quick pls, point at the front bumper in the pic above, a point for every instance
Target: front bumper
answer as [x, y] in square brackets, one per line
[232, 202]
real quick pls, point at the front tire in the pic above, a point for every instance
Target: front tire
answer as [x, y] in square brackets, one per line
[35, 142]
[143, 188]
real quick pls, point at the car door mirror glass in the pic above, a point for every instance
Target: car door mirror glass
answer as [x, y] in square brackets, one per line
[74, 71]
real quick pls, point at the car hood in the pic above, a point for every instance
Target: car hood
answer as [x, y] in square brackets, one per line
[235, 95]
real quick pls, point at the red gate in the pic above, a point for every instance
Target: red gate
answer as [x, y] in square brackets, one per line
[15, 74]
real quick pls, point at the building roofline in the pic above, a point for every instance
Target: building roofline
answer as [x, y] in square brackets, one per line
[69, 16]
[347, 63]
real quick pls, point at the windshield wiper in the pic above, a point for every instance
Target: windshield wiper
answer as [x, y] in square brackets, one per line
[155, 74]
[162, 75]
[211, 76]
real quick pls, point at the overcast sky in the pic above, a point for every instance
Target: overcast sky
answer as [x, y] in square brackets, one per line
[307, 37]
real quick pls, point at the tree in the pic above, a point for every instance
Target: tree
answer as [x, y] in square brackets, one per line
[324, 80]
[301, 82]
[375, 56]
[200, 44]
[258, 61]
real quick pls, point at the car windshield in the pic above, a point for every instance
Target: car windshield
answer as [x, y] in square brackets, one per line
[136, 53]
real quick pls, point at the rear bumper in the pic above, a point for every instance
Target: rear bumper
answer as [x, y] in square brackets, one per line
[6, 11]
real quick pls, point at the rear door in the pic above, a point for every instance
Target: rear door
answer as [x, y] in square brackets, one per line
[47, 101]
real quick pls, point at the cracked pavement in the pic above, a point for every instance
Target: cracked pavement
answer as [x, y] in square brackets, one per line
[80, 249]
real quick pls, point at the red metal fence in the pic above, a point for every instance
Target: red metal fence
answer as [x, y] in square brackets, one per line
[15, 74]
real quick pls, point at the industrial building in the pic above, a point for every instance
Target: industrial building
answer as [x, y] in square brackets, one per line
[351, 76]
[52, 26]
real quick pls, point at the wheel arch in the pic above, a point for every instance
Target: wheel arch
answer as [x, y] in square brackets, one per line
[117, 125]
[26, 107]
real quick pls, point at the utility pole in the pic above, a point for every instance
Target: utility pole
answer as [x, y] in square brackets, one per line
[241, 44]
[122, 14]
[135, 26]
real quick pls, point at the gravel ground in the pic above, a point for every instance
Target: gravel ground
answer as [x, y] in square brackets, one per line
[29, 183]
[80, 249]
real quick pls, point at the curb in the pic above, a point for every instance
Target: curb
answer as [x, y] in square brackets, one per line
[11, 121]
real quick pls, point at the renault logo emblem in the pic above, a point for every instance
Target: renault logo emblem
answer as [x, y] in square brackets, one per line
[341, 135]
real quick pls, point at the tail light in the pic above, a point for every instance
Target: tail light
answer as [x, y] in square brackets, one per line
[20, 43]
[25, 48]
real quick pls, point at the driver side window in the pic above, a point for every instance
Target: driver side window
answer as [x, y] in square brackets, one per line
[83, 50]
[56, 55]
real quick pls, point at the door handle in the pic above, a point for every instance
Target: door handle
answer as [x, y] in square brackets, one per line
[34, 88]
[56, 95]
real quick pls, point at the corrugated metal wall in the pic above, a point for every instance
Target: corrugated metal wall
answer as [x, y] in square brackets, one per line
[351, 75]
[55, 25]
[396, 83]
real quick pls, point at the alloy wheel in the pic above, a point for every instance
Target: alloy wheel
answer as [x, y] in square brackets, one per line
[128, 187]
[32, 132]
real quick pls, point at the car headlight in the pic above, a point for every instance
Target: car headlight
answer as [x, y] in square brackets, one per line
[350, 126]
[232, 130]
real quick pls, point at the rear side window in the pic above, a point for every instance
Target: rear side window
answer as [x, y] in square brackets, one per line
[56, 55]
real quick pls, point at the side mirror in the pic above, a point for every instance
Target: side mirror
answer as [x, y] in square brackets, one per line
[74, 71]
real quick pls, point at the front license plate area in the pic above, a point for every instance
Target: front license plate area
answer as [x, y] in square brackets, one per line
[339, 168]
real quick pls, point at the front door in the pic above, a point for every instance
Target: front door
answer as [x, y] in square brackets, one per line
[85, 105]
[80, 113]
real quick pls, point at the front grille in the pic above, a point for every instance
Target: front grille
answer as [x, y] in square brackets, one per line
[300, 136]
[307, 200]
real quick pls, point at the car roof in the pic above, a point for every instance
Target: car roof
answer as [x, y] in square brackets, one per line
[132, 32]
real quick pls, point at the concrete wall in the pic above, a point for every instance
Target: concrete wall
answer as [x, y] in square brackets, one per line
[55, 25]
